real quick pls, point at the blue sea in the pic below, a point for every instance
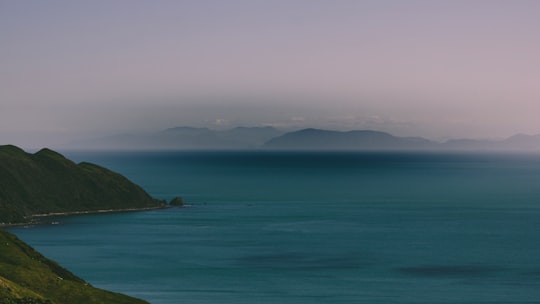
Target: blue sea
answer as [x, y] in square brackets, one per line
[280, 227]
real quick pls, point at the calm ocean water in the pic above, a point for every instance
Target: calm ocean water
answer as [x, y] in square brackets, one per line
[313, 228]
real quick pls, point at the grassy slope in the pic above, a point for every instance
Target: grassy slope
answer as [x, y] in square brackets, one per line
[24, 273]
[46, 182]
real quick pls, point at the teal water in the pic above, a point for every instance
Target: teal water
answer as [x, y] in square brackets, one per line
[313, 228]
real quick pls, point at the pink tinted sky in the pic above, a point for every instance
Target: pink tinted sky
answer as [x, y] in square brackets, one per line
[437, 69]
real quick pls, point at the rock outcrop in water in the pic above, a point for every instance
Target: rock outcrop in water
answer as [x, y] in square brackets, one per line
[46, 182]
[177, 202]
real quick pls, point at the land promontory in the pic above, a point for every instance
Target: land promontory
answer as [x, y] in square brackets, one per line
[48, 183]
[33, 185]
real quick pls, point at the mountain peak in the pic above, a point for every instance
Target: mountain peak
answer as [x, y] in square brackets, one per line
[46, 152]
[12, 150]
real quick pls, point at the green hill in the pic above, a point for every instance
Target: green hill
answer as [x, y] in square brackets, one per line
[43, 183]
[28, 277]
[47, 182]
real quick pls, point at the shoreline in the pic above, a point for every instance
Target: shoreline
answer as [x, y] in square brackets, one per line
[69, 213]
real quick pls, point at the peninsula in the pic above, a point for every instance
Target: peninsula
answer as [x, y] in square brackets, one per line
[47, 183]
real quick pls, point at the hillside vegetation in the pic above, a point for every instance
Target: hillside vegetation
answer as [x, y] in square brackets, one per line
[47, 182]
[43, 183]
[28, 277]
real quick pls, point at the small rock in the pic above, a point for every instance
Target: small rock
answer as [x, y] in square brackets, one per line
[177, 201]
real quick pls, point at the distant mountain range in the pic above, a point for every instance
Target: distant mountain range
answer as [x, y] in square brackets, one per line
[316, 139]
[185, 138]
[246, 138]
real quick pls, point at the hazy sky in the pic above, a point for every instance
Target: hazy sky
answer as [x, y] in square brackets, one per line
[432, 68]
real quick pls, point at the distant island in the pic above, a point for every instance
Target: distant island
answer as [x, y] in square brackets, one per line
[369, 140]
[269, 138]
[46, 183]
[317, 139]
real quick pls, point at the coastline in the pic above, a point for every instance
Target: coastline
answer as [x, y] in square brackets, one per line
[33, 218]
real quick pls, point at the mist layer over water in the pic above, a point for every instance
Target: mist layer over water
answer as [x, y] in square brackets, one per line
[313, 228]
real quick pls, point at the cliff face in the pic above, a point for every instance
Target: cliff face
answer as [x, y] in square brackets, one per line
[47, 182]
[28, 277]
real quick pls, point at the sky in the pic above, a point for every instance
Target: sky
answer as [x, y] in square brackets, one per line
[438, 69]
